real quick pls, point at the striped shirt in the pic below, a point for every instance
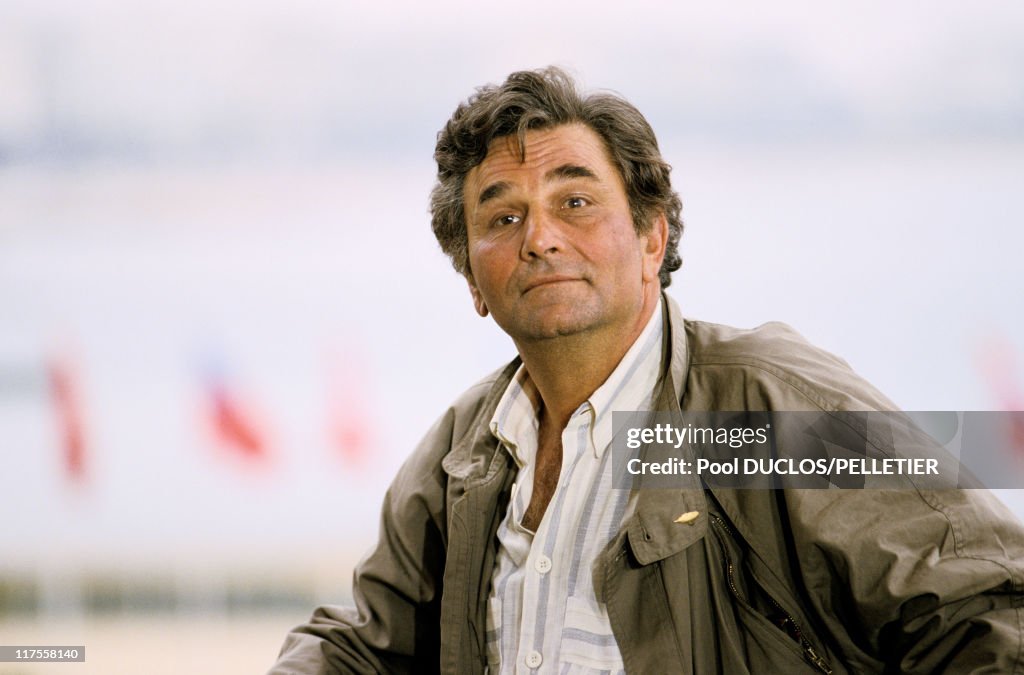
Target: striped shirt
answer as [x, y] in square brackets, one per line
[542, 613]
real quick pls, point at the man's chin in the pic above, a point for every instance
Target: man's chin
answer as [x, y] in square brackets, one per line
[548, 325]
[551, 333]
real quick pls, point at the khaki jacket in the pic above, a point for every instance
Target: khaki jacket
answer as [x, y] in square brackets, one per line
[763, 581]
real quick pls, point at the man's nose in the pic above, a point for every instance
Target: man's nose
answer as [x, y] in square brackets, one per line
[542, 235]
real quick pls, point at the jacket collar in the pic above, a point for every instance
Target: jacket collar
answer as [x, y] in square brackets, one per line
[472, 455]
[652, 531]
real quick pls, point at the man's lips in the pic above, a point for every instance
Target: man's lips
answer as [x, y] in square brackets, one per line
[545, 281]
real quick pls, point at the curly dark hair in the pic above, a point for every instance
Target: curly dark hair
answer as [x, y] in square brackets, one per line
[537, 99]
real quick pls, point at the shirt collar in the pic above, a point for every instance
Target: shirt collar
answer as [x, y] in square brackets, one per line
[631, 384]
[515, 422]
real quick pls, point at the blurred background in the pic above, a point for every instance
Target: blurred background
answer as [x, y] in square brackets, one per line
[224, 321]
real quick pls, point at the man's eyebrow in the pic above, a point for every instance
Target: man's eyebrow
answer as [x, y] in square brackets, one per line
[492, 191]
[563, 172]
[570, 171]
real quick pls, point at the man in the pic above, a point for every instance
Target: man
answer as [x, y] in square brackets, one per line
[504, 544]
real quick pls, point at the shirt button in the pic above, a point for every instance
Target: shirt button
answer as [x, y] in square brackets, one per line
[534, 659]
[542, 565]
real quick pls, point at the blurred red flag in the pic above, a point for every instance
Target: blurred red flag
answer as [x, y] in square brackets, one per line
[349, 425]
[67, 406]
[999, 367]
[236, 427]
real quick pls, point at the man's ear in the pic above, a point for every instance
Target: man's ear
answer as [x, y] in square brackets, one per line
[478, 300]
[655, 241]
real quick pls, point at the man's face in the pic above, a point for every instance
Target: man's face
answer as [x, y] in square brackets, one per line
[552, 247]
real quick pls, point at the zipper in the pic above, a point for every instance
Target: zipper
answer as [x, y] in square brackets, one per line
[786, 622]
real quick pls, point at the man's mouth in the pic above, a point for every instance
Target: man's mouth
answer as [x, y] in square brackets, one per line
[539, 282]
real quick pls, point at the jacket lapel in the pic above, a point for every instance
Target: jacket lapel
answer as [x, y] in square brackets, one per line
[633, 588]
[653, 531]
[479, 482]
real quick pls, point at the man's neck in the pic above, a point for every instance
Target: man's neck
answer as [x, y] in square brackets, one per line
[568, 369]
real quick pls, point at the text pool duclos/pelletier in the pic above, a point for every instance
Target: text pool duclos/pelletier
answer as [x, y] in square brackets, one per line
[751, 466]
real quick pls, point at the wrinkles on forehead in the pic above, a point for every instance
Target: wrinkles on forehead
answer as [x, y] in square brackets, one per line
[507, 166]
[559, 173]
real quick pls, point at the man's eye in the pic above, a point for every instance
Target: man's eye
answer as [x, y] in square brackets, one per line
[575, 202]
[507, 219]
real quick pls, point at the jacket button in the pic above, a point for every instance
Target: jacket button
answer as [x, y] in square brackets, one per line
[543, 564]
[534, 659]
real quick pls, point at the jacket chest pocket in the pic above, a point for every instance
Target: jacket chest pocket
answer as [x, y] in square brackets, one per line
[775, 641]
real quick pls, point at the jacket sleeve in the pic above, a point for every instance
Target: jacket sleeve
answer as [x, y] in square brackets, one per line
[917, 581]
[394, 626]
[906, 580]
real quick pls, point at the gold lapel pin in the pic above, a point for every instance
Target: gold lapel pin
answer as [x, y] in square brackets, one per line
[688, 517]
